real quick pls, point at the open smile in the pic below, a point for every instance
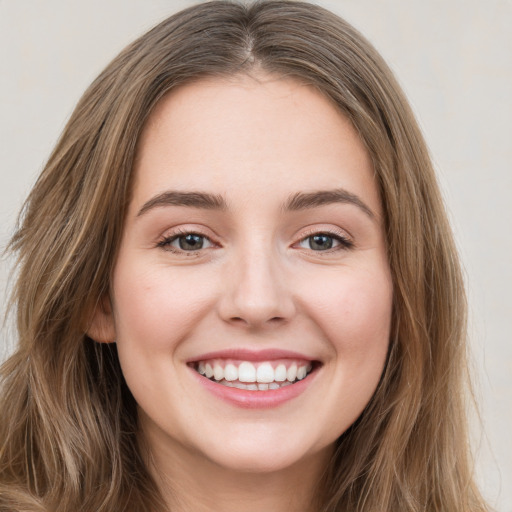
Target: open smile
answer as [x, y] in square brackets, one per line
[255, 379]
[252, 376]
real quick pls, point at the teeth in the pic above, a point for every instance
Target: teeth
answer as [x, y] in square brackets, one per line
[254, 377]
[230, 372]
[301, 372]
[254, 386]
[280, 373]
[265, 373]
[218, 372]
[291, 374]
[246, 372]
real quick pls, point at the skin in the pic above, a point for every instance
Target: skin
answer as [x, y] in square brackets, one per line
[257, 283]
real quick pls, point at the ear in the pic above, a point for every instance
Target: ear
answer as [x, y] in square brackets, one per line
[101, 326]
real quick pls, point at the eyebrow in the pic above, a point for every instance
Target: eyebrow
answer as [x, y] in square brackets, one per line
[298, 201]
[306, 200]
[192, 199]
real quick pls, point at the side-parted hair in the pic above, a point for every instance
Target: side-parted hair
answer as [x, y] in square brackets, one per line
[68, 427]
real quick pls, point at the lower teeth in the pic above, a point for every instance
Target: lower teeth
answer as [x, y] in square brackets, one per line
[253, 386]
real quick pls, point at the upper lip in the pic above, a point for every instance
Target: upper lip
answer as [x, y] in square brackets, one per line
[244, 354]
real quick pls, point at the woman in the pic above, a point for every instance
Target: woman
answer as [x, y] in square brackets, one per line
[237, 286]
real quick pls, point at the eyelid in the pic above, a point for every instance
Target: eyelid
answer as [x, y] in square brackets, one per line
[173, 234]
[346, 241]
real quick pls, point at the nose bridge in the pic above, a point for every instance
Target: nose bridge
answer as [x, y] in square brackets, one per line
[258, 292]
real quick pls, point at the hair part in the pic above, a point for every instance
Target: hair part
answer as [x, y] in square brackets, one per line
[71, 439]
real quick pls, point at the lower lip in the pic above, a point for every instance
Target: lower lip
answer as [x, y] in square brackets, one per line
[256, 399]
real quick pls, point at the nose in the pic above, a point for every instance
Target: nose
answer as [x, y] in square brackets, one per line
[256, 292]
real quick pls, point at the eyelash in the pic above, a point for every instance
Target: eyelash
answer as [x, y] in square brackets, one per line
[344, 242]
[166, 242]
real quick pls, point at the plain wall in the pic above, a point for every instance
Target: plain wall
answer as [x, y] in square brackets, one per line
[454, 60]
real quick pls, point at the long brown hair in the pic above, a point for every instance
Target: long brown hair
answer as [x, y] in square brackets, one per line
[68, 432]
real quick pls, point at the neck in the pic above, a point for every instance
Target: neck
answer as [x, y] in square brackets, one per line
[188, 481]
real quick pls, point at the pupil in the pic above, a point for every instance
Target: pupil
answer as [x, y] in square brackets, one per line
[320, 242]
[191, 242]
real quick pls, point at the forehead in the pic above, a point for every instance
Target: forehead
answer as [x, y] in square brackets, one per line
[267, 132]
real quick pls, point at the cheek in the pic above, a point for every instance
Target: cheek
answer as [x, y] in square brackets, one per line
[354, 311]
[156, 308]
[346, 312]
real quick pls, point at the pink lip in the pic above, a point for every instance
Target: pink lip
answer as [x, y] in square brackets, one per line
[255, 399]
[250, 355]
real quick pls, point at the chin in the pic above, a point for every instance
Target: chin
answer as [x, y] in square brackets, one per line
[265, 455]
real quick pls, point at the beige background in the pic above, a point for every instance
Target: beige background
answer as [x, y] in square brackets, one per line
[454, 59]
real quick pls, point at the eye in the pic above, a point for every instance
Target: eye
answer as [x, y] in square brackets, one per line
[325, 242]
[186, 242]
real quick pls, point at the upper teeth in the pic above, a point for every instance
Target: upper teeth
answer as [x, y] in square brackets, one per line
[246, 371]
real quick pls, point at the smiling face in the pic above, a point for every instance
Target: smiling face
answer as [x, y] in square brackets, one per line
[251, 297]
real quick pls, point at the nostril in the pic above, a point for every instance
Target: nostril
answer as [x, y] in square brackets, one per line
[276, 320]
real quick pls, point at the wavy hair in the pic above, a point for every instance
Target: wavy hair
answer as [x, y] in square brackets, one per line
[68, 435]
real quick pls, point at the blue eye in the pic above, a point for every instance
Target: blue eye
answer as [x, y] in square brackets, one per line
[324, 242]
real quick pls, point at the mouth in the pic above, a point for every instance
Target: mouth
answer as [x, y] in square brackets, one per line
[254, 376]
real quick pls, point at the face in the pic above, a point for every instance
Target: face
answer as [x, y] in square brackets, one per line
[251, 298]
